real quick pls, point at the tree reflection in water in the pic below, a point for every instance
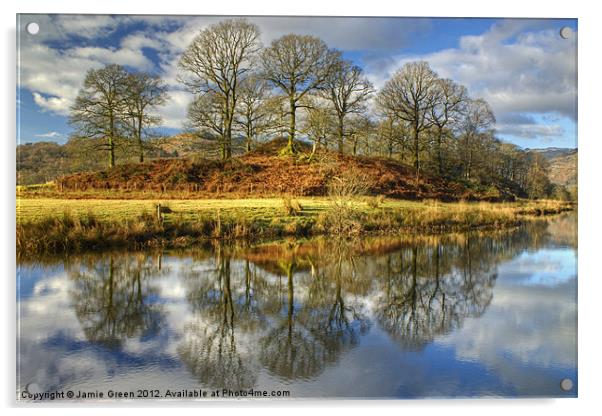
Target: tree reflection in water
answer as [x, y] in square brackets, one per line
[112, 298]
[216, 341]
[293, 308]
[422, 296]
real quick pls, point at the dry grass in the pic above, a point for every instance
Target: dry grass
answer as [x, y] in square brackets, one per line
[54, 225]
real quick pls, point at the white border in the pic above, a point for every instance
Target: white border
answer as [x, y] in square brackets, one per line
[590, 152]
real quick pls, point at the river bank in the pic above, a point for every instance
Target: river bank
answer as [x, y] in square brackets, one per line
[47, 226]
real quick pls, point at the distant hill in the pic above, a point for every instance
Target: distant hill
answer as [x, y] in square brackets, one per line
[562, 168]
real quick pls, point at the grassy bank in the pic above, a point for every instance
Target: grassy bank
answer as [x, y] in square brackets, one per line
[46, 226]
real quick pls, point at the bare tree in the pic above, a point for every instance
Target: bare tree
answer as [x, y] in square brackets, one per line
[361, 132]
[392, 133]
[319, 125]
[296, 65]
[348, 89]
[216, 62]
[410, 95]
[99, 107]
[144, 93]
[478, 119]
[447, 110]
[255, 112]
[206, 118]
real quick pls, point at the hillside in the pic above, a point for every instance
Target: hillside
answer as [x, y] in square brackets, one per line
[263, 173]
[45, 161]
[550, 153]
[562, 169]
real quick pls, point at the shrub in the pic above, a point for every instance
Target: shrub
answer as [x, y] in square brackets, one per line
[291, 206]
[348, 186]
[376, 201]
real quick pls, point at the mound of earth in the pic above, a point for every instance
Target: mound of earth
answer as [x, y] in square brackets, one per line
[263, 173]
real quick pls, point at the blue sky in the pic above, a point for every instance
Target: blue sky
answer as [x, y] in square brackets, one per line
[522, 67]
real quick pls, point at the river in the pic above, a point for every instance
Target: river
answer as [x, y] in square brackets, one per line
[464, 315]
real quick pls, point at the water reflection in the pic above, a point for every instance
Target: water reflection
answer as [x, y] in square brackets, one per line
[214, 346]
[288, 313]
[112, 299]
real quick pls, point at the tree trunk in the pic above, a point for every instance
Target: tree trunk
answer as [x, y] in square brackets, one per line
[439, 151]
[249, 137]
[228, 144]
[340, 134]
[111, 152]
[292, 127]
[140, 144]
[416, 150]
[229, 117]
[313, 152]
[468, 164]
[111, 140]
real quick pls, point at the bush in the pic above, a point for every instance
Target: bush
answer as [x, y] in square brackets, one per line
[375, 202]
[291, 206]
[348, 186]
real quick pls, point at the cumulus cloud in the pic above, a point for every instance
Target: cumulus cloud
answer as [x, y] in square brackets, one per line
[518, 66]
[531, 131]
[54, 74]
[173, 113]
[50, 135]
[123, 56]
[57, 105]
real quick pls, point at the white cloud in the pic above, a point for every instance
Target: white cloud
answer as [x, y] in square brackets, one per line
[173, 112]
[531, 131]
[57, 105]
[54, 75]
[519, 66]
[51, 135]
[129, 57]
[88, 26]
[515, 71]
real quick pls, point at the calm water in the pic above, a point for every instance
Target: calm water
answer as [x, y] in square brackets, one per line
[466, 315]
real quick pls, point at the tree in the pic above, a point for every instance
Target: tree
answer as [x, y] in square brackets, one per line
[348, 90]
[361, 132]
[206, 117]
[538, 183]
[144, 93]
[392, 134]
[216, 62]
[446, 110]
[319, 126]
[99, 108]
[410, 95]
[478, 118]
[255, 110]
[297, 65]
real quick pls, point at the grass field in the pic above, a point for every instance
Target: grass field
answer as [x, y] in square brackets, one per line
[64, 225]
[114, 209]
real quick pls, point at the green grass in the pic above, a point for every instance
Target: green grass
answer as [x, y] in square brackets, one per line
[119, 210]
[63, 225]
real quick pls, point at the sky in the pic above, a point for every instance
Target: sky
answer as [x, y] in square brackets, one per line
[522, 67]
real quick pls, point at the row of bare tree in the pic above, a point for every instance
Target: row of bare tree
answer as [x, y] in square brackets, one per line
[115, 104]
[299, 86]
